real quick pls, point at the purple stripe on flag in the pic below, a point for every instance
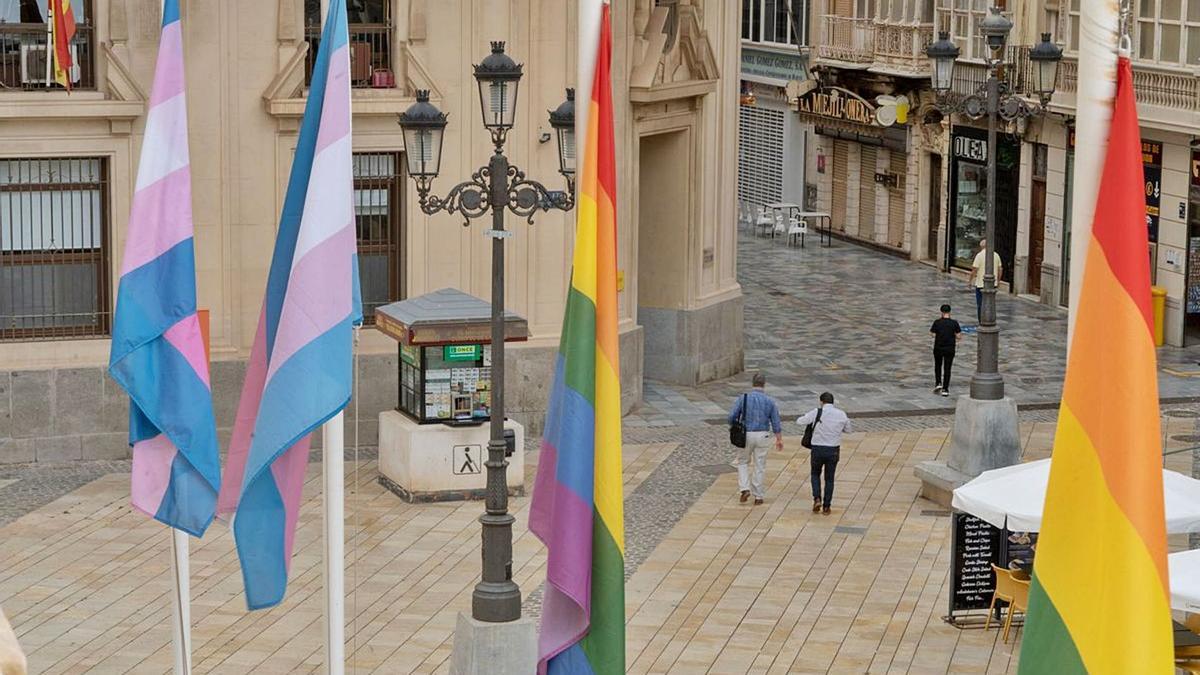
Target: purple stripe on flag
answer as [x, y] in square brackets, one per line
[288, 472]
[161, 218]
[318, 296]
[185, 336]
[563, 624]
[335, 110]
[152, 461]
[569, 562]
[168, 72]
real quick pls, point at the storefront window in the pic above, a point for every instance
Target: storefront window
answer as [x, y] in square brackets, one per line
[969, 206]
[971, 212]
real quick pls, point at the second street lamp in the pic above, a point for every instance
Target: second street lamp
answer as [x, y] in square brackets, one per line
[492, 190]
[993, 100]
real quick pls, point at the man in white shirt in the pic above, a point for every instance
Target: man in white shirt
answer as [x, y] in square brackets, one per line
[977, 272]
[829, 423]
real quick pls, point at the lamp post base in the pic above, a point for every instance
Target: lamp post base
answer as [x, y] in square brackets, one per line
[985, 435]
[484, 648]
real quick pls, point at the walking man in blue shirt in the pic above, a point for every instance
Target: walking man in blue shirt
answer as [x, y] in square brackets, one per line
[762, 420]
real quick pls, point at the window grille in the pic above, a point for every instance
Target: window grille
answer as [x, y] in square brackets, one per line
[760, 155]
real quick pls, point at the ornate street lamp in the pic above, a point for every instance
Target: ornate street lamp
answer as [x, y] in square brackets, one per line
[943, 55]
[493, 189]
[993, 100]
[1046, 57]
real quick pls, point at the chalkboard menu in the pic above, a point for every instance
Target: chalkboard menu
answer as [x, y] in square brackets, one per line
[975, 545]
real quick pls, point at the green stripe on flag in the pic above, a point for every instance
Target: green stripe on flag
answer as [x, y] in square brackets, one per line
[605, 642]
[1046, 646]
[578, 345]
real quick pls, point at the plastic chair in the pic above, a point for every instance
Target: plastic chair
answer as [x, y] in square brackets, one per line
[797, 230]
[1190, 666]
[1008, 589]
[763, 221]
[780, 225]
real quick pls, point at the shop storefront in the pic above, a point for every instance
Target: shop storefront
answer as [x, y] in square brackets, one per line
[862, 163]
[968, 197]
[771, 142]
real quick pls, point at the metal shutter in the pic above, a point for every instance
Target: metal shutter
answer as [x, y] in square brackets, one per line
[841, 177]
[897, 166]
[866, 193]
[760, 155]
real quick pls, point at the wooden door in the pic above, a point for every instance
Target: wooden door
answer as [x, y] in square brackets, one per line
[1037, 235]
[935, 206]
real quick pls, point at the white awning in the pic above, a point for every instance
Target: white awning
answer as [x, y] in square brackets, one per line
[763, 79]
[1183, 569]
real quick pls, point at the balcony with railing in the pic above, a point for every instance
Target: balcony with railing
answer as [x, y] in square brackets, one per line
[23, 53]
[1017, 73]
[1172, 90]
[847, 40]
[892, 48]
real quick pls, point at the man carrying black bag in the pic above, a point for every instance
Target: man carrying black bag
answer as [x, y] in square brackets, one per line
[759, 418]
[824, 426]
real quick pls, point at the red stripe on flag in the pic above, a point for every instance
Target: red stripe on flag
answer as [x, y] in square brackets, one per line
[1120, 222]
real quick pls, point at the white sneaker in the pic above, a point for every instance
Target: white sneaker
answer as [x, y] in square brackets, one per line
[945, 393]
[937, 389]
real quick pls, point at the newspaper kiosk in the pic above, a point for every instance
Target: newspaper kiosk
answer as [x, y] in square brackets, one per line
[433, 445]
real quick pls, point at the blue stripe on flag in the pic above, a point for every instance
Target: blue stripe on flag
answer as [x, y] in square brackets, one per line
[259, 532]
[571, 429]
[142, 313]
[571, 661]
[189, 502]
[170, 11]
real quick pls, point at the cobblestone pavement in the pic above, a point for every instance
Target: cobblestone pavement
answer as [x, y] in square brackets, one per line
[856, 322]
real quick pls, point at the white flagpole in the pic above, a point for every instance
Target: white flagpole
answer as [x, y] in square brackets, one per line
[181, 636]
[1099, 21]
[333, 447]
[49, 40]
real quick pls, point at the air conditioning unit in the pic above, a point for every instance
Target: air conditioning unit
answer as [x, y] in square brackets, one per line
[33, 64]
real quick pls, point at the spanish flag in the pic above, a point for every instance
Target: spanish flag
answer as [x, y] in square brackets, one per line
[63, 29]
[1099, 597]
[577, 508]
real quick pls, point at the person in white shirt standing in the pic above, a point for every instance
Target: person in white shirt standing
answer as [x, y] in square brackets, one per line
[829, 423]
[977, 273]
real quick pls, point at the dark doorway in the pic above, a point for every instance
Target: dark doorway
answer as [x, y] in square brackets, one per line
[935, 206]
[1037, 221]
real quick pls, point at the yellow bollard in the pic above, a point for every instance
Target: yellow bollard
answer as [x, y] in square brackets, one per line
[1158, 304]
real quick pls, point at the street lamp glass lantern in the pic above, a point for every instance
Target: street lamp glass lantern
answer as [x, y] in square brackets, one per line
[995, 28]
[498, 77]
[423, 126]
[562, 120]
[1046, 57]
[942, 54]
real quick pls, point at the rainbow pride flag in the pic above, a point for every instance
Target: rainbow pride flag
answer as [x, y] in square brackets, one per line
[157, 351]
[1099, 598]
[299, 374]
[577, 508]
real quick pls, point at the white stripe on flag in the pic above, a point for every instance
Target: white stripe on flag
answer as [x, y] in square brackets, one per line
[164, 145]
[330, 188]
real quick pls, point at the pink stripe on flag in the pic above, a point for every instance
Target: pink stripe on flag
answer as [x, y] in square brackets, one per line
[335, 109]
[243, 426]
[318, 296]
[185, 336]
[161, 218]
[563, 624]
[168, 71]
[152, 461]
[288, 472]
[569, 561]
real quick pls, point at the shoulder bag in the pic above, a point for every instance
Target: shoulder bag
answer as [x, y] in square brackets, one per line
[737, 430]
[808, 430]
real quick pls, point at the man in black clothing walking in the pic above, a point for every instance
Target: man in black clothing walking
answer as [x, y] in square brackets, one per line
[946, 334]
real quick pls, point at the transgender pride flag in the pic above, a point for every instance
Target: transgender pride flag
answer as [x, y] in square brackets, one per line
[300, 366]
[578, 508]
[157, 350]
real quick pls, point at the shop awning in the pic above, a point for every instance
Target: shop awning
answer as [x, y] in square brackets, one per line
[763, 79]
[1014, 497]
[1183, 569]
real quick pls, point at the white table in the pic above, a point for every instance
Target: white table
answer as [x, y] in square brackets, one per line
[826, 236]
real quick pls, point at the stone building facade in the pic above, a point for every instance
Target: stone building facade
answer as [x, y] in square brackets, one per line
[68, 163]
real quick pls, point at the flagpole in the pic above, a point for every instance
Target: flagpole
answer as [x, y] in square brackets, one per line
[1099, 21]
[333, 447]
[181, 636]
[49, 40]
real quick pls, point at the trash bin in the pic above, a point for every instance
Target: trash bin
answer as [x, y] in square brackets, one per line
[1158, 303]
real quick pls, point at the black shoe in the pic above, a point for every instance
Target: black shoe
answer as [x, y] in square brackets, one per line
[758, 501]
[745, 496]
[825, 510]
[816, 504]
[945, 392]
